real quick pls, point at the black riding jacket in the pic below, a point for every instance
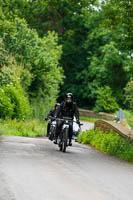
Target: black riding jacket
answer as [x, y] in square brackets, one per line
[68, 110]
[52, 113]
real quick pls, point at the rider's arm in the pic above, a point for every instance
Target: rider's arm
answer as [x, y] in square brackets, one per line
[50, 114]
[76, 112]
[59, 111]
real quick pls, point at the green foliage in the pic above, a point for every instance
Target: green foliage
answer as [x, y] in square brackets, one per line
[7, 76]
[88, 119]
[118, 16]
[40, 56]
[95, 58]
[96, 38]
[41, 73]
[13, 103]
[105, 101]
[106, 60]
[111, 143]
[6, 107]
[3, 54]
[41, 107]
[129, 94]
[19, 100]
[32, 128]
[129, 117]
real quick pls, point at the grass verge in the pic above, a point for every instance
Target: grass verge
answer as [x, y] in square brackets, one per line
[129, 117]
[110, 143]
[31, 128]
[88, 119]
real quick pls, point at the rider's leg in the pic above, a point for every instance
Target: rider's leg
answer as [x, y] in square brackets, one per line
[58, 129]
[70, 134]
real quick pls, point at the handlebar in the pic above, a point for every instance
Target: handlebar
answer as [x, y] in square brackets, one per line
[63, 119]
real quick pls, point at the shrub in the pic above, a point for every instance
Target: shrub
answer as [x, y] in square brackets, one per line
[3, 54]
[6, 107]
[111, 143]
[129, 94]
[105, 102]
[129, 117]
[19, 100]
[13, 103]
[7, 76]
[42, 74]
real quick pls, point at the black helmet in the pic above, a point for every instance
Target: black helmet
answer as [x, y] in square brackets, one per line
[57, 104]
[69, 95]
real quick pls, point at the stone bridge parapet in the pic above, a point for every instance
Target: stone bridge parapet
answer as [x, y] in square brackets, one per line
[116, 127]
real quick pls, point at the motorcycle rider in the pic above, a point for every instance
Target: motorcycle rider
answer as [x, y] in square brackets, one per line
[68, 108]
[52, 113]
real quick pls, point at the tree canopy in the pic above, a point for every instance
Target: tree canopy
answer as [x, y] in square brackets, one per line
[64, 46]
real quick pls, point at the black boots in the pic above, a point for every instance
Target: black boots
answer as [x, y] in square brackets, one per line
[55, 141]
[70, 142]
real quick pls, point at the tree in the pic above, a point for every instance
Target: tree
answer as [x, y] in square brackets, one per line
[129, 94]
[39, 57]
[96, 39]
[105, 102]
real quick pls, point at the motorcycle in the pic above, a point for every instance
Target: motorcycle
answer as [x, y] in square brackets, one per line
[63, 139]
[52, 130]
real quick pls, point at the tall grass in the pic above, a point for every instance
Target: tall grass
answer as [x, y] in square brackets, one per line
[32, 128]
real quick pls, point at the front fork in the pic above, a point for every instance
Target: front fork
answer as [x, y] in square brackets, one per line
[64, 135]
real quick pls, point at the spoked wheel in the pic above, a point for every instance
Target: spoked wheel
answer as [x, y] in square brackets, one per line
[51, 133]
[60, 145]
[64, 145]
[64, 140]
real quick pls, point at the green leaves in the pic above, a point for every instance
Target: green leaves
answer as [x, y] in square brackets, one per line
[95, 44]
[105, 102]
[129, 94]
[6, 106]
[14, 103]
[41, 73]
[110, 142]
[3, 54]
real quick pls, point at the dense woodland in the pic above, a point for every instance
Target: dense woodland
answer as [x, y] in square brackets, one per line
[50, 47]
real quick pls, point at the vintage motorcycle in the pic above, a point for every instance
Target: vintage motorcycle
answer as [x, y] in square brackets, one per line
[52, 130]
[63, 139]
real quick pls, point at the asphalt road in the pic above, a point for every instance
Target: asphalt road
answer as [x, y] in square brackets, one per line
[34, 169]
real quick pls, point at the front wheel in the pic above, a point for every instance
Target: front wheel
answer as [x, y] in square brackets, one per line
[60, 142]
[60, 146]
[52, 133]
[64, 140]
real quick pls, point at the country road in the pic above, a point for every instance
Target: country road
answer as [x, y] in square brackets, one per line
[34, 169]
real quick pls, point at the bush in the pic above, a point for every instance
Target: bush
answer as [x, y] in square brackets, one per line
[105, 102]
[42, 74]
[7, 76]
[129, 94]
[3, 54]
[129, 117]
[111, 143]
[6, 107]
[13, 103]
